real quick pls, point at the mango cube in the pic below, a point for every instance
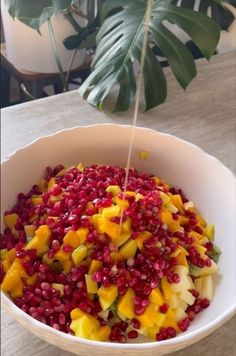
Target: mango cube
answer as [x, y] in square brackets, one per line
[153, 331]
[102, 334]
[120, 240]
[167, 219]
[128, 249]
[79, 254]
[82, 232]
[51, 183]
[91, 285]
[166, 288]
[29, 231]
[126, 305]
[95, 266]
[111, 211]
[85, 326]
[209, 231]
[126, 225]
[147, 319]
[72, 239]
[143, 236]
[114, 189]
[156, 297]
[59, 287]
[10, 220]
[108, 227]
[107, 295]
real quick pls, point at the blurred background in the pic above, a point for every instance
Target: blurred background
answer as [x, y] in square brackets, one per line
[41, 58]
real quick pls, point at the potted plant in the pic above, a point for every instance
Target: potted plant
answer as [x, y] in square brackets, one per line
[118, 45]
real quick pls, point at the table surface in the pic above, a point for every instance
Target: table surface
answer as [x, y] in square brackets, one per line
[205, 114]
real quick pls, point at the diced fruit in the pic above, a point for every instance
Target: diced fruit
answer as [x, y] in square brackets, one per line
[126, 225]
[82, 232]
[209, 231]
[187, 297]
[147, 319]
[153, 331]
[80, 167]
[72, 239]
[159, 319]
[167, 219]
[200, 249]
[108, 227]
[180, 314]
[114, 189]
[36, 200]
[174, 301]
[143, 155]
[204, 271]
[166, 288]
[182, 285]
[179, 250]
[10, 220]
[102, 334]
[95, 265]
[143, 236]
[32, 279]
[126, 305]
[17, 292]
[128, 249]
[123, 204]
[85, 326]
[29, 231]
[165, 198]
[79, 254]
[156, 297]
[111, 211]
[51, 183]
[201, 220]
[107, 295]
[177, 201]
[76, 314]
[59, 287]
[204, 285]
[120, 240]
[91, 285]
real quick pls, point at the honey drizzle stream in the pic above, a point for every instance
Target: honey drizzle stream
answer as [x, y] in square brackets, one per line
[135, 117]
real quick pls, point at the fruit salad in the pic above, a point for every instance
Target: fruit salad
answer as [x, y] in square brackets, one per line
[82, 255]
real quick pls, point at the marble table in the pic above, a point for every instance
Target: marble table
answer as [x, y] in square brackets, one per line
[205, 114]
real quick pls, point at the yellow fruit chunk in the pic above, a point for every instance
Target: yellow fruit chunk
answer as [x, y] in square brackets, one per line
[80, 167]
[198, 238]
[126, 305]
[85, 326]
[40, 241]
[79, 254]
[77, 313]
[153, 331]
[120, 240]
[166, 288]
[108, 227]
[36, 200]
[11, 280]
[143, 155]
[59, 287]
[114, 189]
[183, 220]
[126, 225]
[82, 232]
[167, 219]
[128, 249]
[29, 231]
[51, 183]
[147, 319]
[10, 255]
[111, 211]
[177, 201]
[3, 253]
[165, 198]
[18, 290]
[44, 233]
[200, 249]
[156, 297]
[72, 239]
[143, 236]
[43, 185]
[32, 279]
[95, 266]
[209, 231]
[123, 204]
[6, 265]
[180, 250]
[159, 319]
[182, 260]
[67, 265]
[107, 295]
[91, 285]
[116, 257]
[10, 220]
[102, 334]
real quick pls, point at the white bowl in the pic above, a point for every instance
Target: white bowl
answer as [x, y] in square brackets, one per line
[203, 178]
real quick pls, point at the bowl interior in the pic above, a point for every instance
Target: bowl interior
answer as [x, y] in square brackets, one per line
[205, 181]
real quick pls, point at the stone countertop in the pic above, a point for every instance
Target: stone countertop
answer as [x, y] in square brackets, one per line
[205, 114]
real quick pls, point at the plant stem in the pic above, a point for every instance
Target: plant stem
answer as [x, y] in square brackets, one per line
[70, 65]
[57, 57]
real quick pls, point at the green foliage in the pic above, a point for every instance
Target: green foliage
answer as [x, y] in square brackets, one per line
[119, 44]
[35, 13]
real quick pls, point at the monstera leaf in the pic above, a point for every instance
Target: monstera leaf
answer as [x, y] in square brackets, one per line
[119, 44]
[35, 13]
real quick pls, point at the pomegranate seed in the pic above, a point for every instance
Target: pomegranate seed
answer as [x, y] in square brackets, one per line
[164, 308]
[171, 331]
[205, 303]
[139, 310]
[133, 334]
